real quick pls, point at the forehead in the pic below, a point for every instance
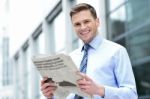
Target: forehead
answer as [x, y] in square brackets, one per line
[82, 15]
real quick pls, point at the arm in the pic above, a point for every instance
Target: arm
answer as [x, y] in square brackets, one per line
[124, 78]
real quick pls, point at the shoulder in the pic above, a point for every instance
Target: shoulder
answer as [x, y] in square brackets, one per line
[116, 51]
[75, 52]
[112, 45]
[111, 48]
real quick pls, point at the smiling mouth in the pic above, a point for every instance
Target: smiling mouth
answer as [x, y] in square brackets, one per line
[85, 33]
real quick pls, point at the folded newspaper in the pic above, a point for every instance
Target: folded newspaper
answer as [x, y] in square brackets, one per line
[61, 69]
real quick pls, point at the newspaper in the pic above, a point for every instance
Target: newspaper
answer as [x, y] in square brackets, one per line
[61, 69]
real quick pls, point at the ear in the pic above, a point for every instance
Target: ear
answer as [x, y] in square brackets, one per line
[97, 22]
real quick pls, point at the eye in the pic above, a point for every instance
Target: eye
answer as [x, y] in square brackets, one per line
[77, 24]
[86, 21]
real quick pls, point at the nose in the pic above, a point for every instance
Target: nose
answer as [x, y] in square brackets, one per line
[83, 26]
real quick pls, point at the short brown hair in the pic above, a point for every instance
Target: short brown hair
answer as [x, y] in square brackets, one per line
[83, 6]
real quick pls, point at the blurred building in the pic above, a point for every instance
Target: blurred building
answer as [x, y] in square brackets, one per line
[123, 21]
[5, 57]
[128, 25]
[6, 89]
[6, 73]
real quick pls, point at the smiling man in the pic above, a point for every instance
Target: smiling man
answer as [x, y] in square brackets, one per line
[104, 65]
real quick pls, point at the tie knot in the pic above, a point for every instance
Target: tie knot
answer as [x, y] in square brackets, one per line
[86, 47]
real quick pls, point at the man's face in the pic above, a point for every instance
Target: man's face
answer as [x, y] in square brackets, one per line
[85, 25]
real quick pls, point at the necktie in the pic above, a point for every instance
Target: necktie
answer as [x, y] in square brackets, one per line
[83, 65]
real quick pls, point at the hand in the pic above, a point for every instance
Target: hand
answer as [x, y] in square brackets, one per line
[87, 85]
[48, 88]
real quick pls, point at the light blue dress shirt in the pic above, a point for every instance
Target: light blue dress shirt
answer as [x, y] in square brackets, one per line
[108, 65]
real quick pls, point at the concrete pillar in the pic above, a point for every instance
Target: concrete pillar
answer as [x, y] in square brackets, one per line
[15, 77]
[34, 80]
[102, 17]
[70, 35]
[21, 72]
[48, 30]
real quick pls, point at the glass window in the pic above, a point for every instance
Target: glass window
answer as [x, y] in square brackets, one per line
[138, 43]
[59, 32]
[113, 4]
[142, 78]
[121, 42]
[133, 18]
[137, 13]
[116, 22]
[41, 43]
[75, 43]
[1, 59]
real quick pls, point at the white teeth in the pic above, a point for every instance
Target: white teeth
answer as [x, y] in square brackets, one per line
[85, 32]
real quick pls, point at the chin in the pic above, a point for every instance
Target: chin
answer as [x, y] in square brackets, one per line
[85, 41]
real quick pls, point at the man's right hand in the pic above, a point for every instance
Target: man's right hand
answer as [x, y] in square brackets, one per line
[48, 88]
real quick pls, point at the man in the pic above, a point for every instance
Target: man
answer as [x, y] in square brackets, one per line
[107, 71]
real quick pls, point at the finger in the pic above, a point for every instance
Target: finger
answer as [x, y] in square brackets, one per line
[81, 82]
[89, 83]
[45, 85]
[49, 89]
[84, 76]
[87, 78]
[85, 88]
[43, 80]
[49, 94]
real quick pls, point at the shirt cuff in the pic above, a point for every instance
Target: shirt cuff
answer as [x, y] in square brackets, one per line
[109, 91]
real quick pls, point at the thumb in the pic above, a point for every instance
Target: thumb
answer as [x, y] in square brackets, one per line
[87, 78]
[84, 76]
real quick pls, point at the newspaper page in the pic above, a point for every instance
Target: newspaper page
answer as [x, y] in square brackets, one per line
[61, 69]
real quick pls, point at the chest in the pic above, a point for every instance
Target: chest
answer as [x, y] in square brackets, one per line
[97, 62]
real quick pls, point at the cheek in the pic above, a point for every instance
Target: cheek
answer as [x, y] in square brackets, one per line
[77, 30]
[95, 28]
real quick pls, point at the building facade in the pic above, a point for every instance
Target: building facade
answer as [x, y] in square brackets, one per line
[128, 25]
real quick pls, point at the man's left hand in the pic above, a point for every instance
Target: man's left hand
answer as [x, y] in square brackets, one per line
[87, 85]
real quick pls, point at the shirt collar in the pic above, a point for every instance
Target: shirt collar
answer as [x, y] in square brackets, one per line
[97, 40]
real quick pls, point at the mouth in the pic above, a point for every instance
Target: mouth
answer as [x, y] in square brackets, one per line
[84, 33]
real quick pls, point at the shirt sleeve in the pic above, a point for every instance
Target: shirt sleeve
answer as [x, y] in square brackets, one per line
[124, 78]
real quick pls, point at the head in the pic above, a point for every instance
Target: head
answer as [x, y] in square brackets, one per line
[85, 21]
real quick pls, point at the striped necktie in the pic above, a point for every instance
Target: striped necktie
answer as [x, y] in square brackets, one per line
[83, 64]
